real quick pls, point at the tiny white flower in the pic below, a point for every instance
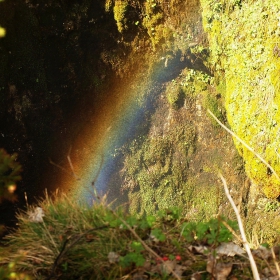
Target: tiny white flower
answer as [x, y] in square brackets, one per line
[37, 215]
[113, 257]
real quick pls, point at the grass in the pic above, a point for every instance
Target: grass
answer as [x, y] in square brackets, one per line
[75, 241]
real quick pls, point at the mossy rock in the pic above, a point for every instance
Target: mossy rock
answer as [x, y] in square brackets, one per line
[175, 95]
[243, 42]
[120, 9]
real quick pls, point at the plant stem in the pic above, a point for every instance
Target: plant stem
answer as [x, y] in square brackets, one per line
[242, 232]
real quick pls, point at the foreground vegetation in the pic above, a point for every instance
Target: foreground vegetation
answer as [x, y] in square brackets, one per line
[70, 241]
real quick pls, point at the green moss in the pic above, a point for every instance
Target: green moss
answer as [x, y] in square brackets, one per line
[168, 30]
[243, 47]
[214, 105]
[256, 232]
[120, 9]
[175, 95]
[155, 169]
[194, 82]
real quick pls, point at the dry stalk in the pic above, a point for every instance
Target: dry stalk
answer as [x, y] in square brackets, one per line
[71, 165]
[242, 232]
[72, 173]
[60, 167]
[275, 262]
[232, 231]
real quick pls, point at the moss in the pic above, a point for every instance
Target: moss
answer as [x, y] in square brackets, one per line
[175, 95]
[243, 47]
[155, 169]
[168, 30]
[120, 9]
[108, 5]
[214, 105]
[193, 82]
[256, 232]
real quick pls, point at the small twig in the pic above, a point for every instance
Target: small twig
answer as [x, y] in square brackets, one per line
[245, 144]
[26, 200]
[275, 262]
[94, 192]
[242, 232]
[60, 167]
[64, 169]
[151, 251]
[232, 231]
[71, 165]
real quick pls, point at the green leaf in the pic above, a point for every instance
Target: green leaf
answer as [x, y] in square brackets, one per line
[132, 221]
[137, 246]
[151, 220]
[171, 257]
[201, 230]
[188, 231]
[158, 234]
[147, 222]
[131, 258]
[112, 220]
[211, 237]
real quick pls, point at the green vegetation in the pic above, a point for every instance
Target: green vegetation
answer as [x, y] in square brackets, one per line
[119, 14]
[159, 169]
[244, 55]
[155, 170]
[98, 243]
[9, 175]
[74, 241]
[167, 29]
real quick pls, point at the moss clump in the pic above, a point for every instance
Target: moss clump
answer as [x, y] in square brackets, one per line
[167, 29]
[175, 95]
[267, 210]
[194, 82]
[120, 9]
[243, 42]
[214, 104]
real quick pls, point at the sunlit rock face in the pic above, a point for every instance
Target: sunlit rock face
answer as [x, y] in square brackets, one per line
[246, 58]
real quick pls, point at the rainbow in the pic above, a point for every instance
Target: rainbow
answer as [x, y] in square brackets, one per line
[115, 123]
